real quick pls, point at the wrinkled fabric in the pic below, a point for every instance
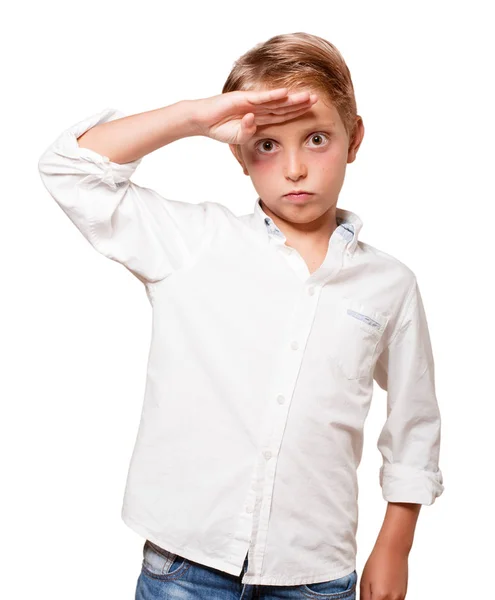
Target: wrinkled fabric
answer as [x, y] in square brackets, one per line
[260, 374]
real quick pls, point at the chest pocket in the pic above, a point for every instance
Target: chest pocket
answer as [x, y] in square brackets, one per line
[355, 332]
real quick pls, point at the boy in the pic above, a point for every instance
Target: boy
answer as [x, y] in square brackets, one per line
[269, 330]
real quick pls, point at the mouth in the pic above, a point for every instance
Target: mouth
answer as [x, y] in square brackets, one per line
[299, 195]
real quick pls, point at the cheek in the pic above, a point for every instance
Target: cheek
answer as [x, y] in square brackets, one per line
[330, 162]
[324, 165]
[259, 165]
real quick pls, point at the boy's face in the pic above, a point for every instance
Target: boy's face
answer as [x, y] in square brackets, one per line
[309, 152]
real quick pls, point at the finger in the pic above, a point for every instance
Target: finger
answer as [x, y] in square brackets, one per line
[259, 97]
[271, 118]
[280, 110]
[289, 100]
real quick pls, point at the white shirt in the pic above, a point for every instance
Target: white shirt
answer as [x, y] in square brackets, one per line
[260, 374]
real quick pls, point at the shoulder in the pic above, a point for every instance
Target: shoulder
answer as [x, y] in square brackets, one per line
[384, 263]
[384, 257]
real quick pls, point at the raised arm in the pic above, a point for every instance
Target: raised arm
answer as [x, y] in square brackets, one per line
[129, 138]
[88, 169]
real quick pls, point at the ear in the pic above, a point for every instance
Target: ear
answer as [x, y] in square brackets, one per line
[357, 138]
[237, 153]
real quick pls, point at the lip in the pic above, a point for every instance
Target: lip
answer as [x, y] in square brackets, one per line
[299, 197]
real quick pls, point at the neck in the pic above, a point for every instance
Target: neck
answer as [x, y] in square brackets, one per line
[316, 232]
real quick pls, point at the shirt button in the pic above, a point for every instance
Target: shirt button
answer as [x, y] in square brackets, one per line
[267, 454]
[294, 345]
[280, 399]
[311, 290]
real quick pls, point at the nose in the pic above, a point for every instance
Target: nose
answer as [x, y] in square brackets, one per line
[295, 165]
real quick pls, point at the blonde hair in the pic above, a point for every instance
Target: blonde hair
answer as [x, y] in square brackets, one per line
[298, 61]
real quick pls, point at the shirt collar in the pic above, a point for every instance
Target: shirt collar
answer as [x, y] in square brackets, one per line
[348, 227]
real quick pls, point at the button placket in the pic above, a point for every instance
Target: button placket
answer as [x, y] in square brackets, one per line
[289, 370]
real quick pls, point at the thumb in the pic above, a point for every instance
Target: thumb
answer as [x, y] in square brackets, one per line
[248, 126]
[365, 591]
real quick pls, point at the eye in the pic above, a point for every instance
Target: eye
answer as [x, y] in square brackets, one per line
[268, 142]
[263, 144]
[319, 135]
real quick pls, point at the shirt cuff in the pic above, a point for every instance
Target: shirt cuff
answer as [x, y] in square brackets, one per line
[402, 483]
[98, 165]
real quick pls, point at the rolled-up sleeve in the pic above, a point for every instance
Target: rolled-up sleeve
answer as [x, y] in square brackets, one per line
[409, 441]
[150, 235]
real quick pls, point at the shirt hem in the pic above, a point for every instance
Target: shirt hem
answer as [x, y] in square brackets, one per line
[270, 580]
[193, 555]
[189, 553]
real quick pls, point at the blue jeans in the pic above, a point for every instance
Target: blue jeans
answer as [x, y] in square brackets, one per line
[168, 576]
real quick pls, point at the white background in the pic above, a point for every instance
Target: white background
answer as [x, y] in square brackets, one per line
[75, 327]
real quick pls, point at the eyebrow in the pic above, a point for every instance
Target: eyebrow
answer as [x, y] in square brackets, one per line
[316, 127]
